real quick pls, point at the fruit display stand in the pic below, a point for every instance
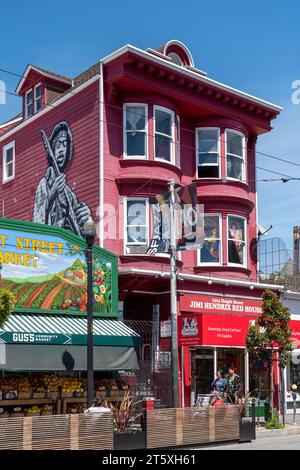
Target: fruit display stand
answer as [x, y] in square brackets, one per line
[67, 401]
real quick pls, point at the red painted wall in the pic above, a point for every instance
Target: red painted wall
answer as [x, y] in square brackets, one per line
[81, 111]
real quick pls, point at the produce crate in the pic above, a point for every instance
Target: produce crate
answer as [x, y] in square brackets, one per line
[39, 395]
[53, 395]
[16, 415]
[67, 394]
[32, 414]
[4, 415]
[24, 395]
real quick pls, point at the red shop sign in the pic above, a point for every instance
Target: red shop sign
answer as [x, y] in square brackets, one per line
[213, 330]
[212, 304]
[221, 330]
[295, 336]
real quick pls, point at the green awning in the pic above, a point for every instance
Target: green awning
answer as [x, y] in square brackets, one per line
[37, 357]
[50, 330]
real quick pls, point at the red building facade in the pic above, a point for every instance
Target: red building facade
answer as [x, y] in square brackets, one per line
[118, 133]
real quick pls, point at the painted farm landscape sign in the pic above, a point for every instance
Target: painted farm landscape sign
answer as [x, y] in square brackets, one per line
[45, 267]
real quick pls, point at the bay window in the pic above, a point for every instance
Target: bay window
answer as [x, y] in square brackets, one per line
[135, 130]
[136, 226]
[208, 152]
[210, 253]
[163, 134]
[236, 237]
[235, 155]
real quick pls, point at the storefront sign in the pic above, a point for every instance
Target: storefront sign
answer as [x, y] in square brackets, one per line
[210, 304]
[295, 336]
[221, 330]
[34, 338]
[45, 268]
[165, 329]
[189, 330]
[213, 330]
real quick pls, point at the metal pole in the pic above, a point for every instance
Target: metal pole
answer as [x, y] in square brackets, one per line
[173, 289]
[90, 361]
[294, 395]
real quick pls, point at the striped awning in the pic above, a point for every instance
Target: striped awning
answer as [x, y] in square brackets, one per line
[42, 329]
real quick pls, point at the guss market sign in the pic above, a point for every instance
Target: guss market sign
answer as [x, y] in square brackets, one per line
[45, 267]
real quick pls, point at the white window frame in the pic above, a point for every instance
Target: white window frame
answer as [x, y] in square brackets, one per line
[172, 137]
[35, 98]
[7, 147]
[245, 264]
[178, 123]
[146, 243]
[243, 158]
[135, 157]
[199, 262]
[26, 104]
[219, 152]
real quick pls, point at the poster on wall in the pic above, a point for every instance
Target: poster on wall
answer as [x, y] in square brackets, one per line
[46, 270]
[55, 203]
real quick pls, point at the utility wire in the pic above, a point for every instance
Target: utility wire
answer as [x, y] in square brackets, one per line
[285, 179]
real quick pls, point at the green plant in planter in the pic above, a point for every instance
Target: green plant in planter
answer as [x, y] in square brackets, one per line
[274, 423]
[124, 412]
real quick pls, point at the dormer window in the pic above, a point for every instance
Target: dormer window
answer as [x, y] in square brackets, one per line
[28, 104]
[37, 98]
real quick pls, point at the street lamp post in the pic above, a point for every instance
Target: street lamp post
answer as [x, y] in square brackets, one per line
[89, 233]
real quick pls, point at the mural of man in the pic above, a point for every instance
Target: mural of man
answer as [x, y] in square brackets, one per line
[55, 203]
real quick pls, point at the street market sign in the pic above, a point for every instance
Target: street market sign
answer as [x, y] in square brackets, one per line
[34, 338]
[45, 268]
[213, 304]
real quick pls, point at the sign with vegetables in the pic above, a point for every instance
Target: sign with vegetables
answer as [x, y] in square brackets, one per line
[45, 267]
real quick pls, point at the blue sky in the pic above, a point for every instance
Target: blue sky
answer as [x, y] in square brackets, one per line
[253, 46]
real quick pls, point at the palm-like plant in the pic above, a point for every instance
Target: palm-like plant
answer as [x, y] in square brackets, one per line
[124, 412]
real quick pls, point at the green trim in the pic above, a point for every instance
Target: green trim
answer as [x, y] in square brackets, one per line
[31, 227]
[133, 341]
[64, 313]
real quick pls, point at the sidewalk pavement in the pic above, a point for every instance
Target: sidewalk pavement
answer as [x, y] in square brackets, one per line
[289, 428]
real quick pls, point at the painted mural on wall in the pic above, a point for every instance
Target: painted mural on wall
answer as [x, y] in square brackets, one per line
[47, 272]
[55, 203]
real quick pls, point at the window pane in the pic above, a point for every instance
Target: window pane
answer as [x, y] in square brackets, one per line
[136, 234]
[9, 170]
[163, 122]
[234, 143]
[210, 252]
[236, 228]
[136, 143]
[29, 97]
[236, 252]
[206, 158]
[208, 172]
[234, 167]
[236, 240]
[29, 109]
[136, 212]
[208, 140]
[37, 92]
[9, 155]
[162, 148]
[135, 118]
